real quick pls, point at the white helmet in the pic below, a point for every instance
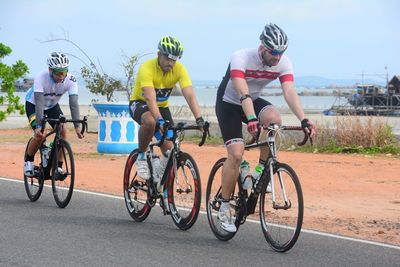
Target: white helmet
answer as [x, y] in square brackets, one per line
[58, 60]
[274, 38]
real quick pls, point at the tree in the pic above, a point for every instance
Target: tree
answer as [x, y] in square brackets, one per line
[8, 76]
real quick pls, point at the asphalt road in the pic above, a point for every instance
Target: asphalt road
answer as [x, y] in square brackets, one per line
[96, 230]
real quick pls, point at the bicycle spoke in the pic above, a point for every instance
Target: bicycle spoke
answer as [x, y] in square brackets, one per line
[136, 191]
[281, 218]
[34, 185]
[185, 193]
[63, 175]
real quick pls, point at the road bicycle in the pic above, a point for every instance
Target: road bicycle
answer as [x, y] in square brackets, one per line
[280, 209]
[179, 188]
[54, 162]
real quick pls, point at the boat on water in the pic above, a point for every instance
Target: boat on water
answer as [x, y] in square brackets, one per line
[23, 85]
[371, 99]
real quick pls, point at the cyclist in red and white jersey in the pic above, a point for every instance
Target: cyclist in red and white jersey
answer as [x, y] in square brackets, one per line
[238, 100]
[42, 98]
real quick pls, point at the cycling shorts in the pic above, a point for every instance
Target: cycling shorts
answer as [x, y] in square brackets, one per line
[52, 113]
[138, 107]
[230, 118]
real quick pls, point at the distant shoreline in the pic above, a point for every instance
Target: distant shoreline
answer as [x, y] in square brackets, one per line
[183, 113]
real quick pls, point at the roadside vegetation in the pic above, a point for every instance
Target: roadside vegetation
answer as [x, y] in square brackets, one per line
[347, 135]
[352, 135]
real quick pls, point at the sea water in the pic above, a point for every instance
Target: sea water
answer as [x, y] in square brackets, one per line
[206, 96]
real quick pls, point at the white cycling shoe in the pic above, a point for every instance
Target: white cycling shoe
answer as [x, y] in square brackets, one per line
[142, 168]
[227, 221]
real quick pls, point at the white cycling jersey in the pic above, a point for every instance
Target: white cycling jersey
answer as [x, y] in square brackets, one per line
[247, 64]
[52, 91]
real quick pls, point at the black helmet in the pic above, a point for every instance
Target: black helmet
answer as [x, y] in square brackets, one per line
[171, 47]
[274, 38]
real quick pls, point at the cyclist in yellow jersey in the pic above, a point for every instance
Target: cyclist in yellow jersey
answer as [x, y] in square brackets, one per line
[148, 105]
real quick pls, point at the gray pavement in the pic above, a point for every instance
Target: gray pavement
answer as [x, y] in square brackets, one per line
[96, 230]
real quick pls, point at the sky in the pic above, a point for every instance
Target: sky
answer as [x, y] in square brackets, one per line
[338, 39]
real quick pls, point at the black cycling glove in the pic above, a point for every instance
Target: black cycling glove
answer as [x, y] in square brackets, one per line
[305, 124]
[200, 122]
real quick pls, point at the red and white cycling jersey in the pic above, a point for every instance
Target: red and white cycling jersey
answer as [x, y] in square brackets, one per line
[247, 64]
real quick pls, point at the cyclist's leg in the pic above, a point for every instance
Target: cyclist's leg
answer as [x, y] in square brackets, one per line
[230, 122]
[266, 114]
[141, 114]
[35, 143]
[166, 114]
[54, 113]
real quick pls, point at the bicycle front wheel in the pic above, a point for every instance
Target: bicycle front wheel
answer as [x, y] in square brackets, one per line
[34, 184]
[281, 219]
[136, 190]
[184, 192]
[213, 202]
[62, 173]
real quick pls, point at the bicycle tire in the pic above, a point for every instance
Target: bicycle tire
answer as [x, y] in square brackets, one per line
[133, 185]
[34, 184]
[281, 227]
[62, 183]
[184, 192]
[213, 202]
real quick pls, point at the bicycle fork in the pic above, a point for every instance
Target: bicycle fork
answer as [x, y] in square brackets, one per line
[272, 164]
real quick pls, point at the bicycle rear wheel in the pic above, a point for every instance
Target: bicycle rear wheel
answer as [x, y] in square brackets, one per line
[136, 190]
[184, 192]
[281, 221]
[62, 175]
[34, 184]
[213, 202]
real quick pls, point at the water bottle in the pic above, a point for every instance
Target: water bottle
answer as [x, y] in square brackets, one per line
[163, 163]
[45, 151]
[166, 199]
[257, 173]
[155, 162]
[245, 177]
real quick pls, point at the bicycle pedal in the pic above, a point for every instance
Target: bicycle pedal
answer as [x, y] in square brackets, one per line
[166, 212]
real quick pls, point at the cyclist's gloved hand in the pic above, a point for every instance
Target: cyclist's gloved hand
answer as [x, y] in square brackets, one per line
[309, 126]
[252, 126]
[160, 124]
[200, 122]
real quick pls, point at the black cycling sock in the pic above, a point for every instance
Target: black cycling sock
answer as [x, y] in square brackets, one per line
[60, 163]
[29, 158]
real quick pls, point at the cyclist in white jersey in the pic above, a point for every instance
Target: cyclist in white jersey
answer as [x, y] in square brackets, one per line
[238, 100]
[43, 97]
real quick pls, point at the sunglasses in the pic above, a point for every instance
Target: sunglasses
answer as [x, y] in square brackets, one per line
[275, 52]
[60, 71]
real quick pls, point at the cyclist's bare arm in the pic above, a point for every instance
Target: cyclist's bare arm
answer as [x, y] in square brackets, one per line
[242, 89]
[150, 95]
[293, 100]
[190, 97]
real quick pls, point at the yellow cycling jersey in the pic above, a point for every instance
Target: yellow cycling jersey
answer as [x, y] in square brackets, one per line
[150, 74]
